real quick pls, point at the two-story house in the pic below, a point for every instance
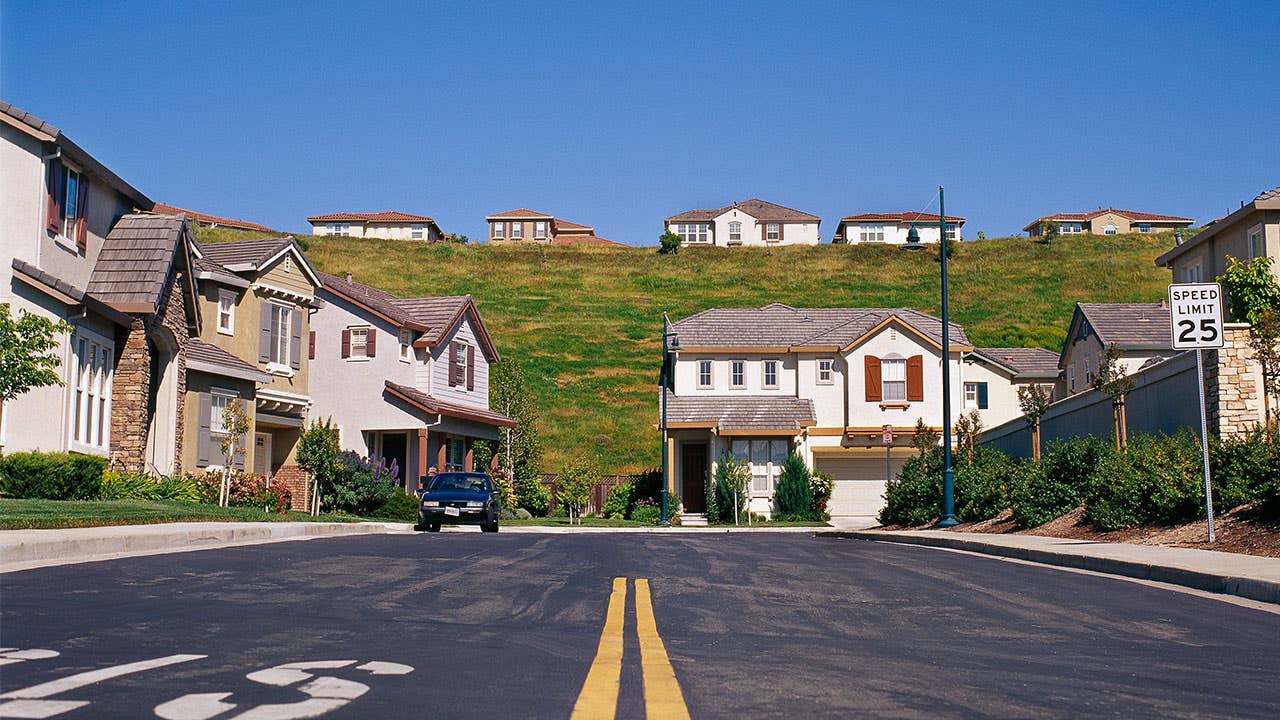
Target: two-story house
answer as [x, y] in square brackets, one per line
[389, 225]
[258, 298]
[748, 223]
[523, 226]
[1251, 232]
[404, 379]
[892, 228]
[75, 249]
[1139, 331]
[1108, 221]
[207, 220]
[760, 383]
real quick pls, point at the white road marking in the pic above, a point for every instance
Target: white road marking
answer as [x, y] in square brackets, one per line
[290, 673]
[79, 680]
[38, 708]
[197, 706]
[312, 708]
[318, 664]
[332, 687]
[8, 656]
[378, 667]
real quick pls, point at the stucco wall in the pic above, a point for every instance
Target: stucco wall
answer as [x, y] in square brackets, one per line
[752, 235]
[896, 233]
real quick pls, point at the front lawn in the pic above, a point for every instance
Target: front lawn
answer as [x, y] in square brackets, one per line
[22, 514]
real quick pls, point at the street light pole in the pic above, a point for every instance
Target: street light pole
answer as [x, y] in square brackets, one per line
[664, 375]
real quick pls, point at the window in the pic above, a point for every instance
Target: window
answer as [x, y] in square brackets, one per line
[1257, 246]
[460, 364]
[498, 230]
[71, 204]
[455, 454]
[693, 232]
[737, 373]
[825, 375]
[1193, 273]
[517, 231]
[772, 232]
[1144, 227]
[770, 369]
[975, 395]
[765, 458]
[288, 263]
[871, 233]
[951, 231]
[281, 324]
[1109, 229]
[226, 312]
[359, 343]
[540, 230]
[219, 400]
[341, 229]
[1070, 228]
[90, 384]
[415, 231]
[735, 231]
[704, 374]
[893, 379]
[406, 347]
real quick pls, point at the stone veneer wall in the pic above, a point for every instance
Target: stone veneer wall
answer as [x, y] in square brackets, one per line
[294, 478]
[1233, 392]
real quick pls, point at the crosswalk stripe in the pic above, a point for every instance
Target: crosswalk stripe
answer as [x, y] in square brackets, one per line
[662, 697]
[599, 696]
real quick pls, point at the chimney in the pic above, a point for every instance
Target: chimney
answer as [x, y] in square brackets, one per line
[1164, 303]
[349, 277]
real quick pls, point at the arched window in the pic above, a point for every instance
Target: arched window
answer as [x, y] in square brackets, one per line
[1109, 229]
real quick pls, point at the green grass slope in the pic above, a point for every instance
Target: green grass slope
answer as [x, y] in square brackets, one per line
[585, 323]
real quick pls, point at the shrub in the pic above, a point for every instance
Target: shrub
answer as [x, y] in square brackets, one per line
[1242, 467]
[1155, 483]
[140, 486]
[51, 476]
[246, 490]
[914, 497]
[359, 486]
[619, 501]
[274, 498]
[575, 484]
[820, 486]
[400, 506]
[647, 485]
[532, 496]
[728, 490]
[982, 482]
[522, 514]
[1058, 483]
[647, 512]
[792, 493]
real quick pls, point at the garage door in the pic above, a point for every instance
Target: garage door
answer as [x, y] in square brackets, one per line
[859, 484]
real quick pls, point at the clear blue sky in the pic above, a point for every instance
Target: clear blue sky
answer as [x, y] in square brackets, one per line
[620, 115]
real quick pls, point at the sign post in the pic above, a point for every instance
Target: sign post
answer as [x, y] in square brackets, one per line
[886, 434]
[1195, 315]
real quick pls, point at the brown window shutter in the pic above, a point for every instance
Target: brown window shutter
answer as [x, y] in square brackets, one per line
[781, 229]
[346, 343]
[53, 184]
[295, 339]
[471, 367]
[311, 345]
[81, 224]
[266, 334]
[875, 392]
[371, 346]
[764, 232]
[915, 378]
[453, 364]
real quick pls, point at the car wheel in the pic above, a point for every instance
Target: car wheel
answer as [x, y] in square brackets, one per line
[433, 527]
[419, 527]
[489, 527]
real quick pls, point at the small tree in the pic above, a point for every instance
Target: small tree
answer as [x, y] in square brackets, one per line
[235, 422]
[968, 430]
[1049, 232]
[28, 353]
[1114, 381]
[1264, 338]
[1253, 295]
[519, 450]
[318, 450]
[925, 439]
[982, 235]
[727, 496]
[1034, 402]
[574, 487]
[669, 243]
[793, 494]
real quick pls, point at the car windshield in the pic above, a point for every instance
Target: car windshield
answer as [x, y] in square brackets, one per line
[460, 481]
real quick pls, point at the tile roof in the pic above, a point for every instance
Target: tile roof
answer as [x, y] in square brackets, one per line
[591, 239]
[902, 217]
[388, 216]
[1132, 215]
[167, 209]
[249, 252]
[521, 213]
[211, 358]
[562, 225]
[1024, 361]
[778, 325]
[1272, 194]
[1131, 326]
[754, 412]
[435, 405]
[135, 260]
[756, 208]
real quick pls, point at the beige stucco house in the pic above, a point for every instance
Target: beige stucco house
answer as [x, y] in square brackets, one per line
[1108, 221]
[892, 228]
[1251, 232]
[993, 377]
[530, 227]
[388, 225]
[1140, 332]
[751, 222]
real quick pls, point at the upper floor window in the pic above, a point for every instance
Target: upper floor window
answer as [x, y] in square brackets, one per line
[91, 364]
[460, 353]
[772, 232]
[517, 230]
[737, 373]
[71, 204]
[693, 232]
[893, 379]
[359, 342]
[540, 230]
[1109, 229]
[704, 374]
[1144, 227]
[415, 231]
[871, 233]
[1193, 273]
[951, 231]
[281, 328]
[499, 230]
[226, 312]
[406, 347]
[1257, 246]
[735, 231]
[825, 375]
[770, 371]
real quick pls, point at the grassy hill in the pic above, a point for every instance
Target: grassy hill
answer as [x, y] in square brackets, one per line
[585, 323]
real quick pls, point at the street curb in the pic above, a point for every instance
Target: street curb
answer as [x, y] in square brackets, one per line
[1245, 587]
[29, 549]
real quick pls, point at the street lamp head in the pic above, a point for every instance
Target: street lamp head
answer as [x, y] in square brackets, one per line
[913, 240]
[674, 345]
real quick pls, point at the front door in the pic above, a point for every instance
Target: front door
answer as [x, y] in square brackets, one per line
[262, 454]
[395, 446]
[693, 477]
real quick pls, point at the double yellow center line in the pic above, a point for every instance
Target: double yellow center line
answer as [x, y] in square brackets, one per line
[599, 696]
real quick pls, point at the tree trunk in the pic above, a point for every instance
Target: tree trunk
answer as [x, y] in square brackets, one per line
[1035, 440]
[1124, 426]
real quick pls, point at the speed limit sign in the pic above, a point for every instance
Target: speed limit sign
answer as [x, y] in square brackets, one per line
[1195, 311]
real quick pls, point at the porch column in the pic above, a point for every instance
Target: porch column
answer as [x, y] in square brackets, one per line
[468, 464]
[442, 452]
[671, 464]
[422, 457]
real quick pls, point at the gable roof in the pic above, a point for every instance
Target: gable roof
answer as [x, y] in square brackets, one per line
[761, 210]
[256, 255]
[167, 209]
[1266, 200]
[433, 405]
[1023, 362]
[377, 301]
[901, 217]
[387, 216]
[1130, 326]
[136, 261]
[784, 327]
[1132, 215]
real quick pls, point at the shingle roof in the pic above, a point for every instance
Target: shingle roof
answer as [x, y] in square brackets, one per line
[387, 216]
[756, 208]
[1024, 361]
[379, 301]
[167, 209]
[1131, 326]
[211, 358]
[742, 413]
[778, 325]
[521, 213]
[903, 217]
[135, 261]
[438, 314]
[248, 252]
[1273, 194]
[435, 405]
[1133, 215]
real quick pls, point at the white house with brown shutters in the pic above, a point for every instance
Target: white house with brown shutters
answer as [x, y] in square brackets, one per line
[751, 222]
[760, 383]
[405, 379]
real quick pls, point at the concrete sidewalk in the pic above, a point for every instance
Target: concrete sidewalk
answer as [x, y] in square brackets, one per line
[27, 549]
[1248, 576]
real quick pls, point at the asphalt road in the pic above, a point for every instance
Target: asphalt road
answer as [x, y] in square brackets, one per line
[755, 626]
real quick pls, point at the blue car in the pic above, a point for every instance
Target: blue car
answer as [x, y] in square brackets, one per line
[459, 497]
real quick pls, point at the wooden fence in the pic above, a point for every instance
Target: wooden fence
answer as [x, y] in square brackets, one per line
[599, 493]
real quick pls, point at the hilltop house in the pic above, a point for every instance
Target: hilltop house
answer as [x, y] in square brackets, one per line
[1140, 332]
[1108, 221]
[760, 383]
[892, 228]
[1251, 232]
[389, 225]
[404, 379]
[75, 249]
[750, 222]
[258, 296]
[524, 226]
[207, 220]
